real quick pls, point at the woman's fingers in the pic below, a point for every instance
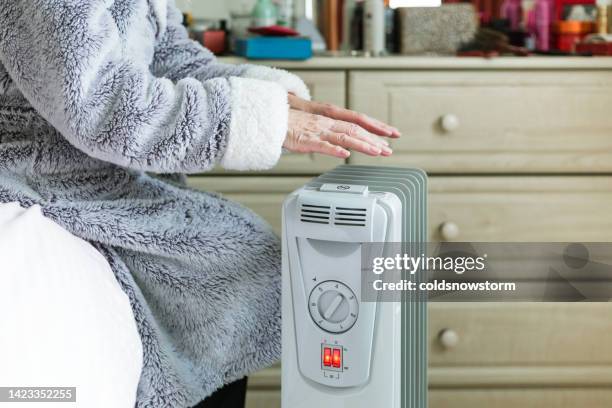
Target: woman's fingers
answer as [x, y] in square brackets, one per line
[311, 143]
[348, 142]
[335, 112]
[312, 133]
[357, 132]
[324, 147]
[370, 124]
[299, 103]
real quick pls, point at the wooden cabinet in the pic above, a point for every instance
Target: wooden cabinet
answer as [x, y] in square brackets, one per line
[500, 348]
[518, 150]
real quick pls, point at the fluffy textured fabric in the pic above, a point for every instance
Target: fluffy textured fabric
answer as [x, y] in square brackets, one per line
[290, 82]
[246, 125]
[94, 94]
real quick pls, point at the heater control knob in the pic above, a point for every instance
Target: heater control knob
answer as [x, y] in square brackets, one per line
[333, 306]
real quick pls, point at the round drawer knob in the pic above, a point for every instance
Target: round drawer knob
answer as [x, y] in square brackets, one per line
[449, 122]
[449, 230]
[448, 338]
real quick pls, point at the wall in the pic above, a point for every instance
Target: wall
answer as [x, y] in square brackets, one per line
[215, 9]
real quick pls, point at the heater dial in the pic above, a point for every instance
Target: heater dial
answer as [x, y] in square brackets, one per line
[333, 306]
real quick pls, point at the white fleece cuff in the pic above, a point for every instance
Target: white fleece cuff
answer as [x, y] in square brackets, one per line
[258, 125]
[291, 82]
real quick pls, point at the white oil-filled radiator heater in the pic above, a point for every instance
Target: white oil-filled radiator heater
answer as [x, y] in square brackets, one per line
[339, 350]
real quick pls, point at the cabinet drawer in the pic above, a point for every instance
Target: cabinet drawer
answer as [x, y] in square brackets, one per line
[516, 334]
[477, 209]
[492, 121]
[521, 209]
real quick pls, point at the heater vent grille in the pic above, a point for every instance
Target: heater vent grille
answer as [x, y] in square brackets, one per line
[346, 216]
[317, 214]
[343, 216]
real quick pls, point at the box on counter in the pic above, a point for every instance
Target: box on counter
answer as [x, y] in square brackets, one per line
[290, 48]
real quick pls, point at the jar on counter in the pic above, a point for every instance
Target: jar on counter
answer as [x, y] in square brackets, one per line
[568, 33]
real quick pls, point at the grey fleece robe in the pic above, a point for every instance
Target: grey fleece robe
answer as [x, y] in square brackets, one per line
[95, 96]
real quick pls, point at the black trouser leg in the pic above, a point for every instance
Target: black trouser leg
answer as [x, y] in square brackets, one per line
[230, 396]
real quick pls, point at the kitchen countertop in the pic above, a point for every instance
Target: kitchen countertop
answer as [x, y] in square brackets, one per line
[435, 62]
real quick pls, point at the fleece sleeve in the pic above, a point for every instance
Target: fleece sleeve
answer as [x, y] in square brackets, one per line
[177, 56]
[77, 63]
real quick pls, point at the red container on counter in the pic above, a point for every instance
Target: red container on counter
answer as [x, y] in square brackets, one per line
[214, 40]
[595, 48]
[568, 33]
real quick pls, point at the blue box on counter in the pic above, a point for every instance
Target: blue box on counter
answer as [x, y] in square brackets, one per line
[291, 48]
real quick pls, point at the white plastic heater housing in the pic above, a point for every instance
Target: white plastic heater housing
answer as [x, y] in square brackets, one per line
[338, 351]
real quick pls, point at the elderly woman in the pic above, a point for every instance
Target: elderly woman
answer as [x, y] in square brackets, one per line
[99, 99]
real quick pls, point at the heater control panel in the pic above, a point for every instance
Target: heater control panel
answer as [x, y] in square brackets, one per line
[333, 306]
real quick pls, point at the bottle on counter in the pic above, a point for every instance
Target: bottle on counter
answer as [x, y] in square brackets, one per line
[285, 13]
[568, 33]
[348, 14]
[543, 21]
[374, 27]
[357, 28]
[602, 19]
[264, 14]
[512, 10]
[392, 24]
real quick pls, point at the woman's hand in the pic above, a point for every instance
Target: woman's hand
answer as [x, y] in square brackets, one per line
[322, 128]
